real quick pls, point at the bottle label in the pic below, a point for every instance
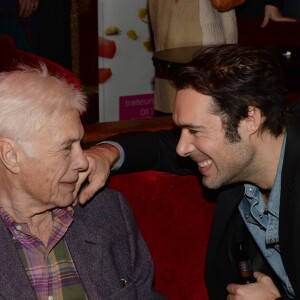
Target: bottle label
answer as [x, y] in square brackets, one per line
[245, 265]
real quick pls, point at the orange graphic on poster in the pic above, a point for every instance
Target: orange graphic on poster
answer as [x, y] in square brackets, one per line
[106, 47]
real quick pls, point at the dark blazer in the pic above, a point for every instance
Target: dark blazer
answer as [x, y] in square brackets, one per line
[220, 265]
[106, 246]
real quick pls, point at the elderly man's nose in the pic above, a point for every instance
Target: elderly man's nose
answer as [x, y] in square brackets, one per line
[81, 162]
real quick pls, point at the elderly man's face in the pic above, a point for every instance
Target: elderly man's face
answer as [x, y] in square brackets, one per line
[50, 166]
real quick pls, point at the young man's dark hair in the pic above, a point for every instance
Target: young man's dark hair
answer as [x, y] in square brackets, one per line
[250, 77]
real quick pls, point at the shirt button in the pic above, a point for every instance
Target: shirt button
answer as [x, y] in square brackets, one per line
[50, 298]
[19, 227]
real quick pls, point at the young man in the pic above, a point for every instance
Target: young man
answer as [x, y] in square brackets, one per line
[237, 129]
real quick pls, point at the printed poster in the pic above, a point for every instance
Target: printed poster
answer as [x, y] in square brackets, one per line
[126, 71]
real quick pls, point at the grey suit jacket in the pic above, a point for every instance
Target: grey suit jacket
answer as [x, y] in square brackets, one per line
[106, 246]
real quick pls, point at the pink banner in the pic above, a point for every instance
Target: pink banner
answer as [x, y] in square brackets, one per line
[136, 107]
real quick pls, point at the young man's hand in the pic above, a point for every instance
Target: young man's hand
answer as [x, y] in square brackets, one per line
[263, 288]
[101, 158]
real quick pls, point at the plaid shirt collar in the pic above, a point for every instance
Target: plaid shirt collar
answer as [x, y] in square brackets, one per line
[62, 219]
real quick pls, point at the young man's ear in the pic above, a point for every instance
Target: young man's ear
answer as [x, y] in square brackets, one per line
[9, 155]
[254, 120]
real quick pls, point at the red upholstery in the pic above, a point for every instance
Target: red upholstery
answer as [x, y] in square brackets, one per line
[174, 216]
[275, 33]
[10, 57]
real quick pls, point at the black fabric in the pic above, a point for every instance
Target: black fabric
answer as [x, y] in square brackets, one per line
[224, 222]
[291, 9]
[55, 31]
[255, 9]
[242, 235]
[153, 151]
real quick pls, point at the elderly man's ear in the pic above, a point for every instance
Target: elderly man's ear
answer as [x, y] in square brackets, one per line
[9, 155]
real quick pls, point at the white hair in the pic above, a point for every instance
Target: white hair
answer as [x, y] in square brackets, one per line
[30, 97]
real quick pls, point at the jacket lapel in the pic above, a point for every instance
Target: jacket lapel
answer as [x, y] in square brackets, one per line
[224, 211]
[13, 277]
[86, 251]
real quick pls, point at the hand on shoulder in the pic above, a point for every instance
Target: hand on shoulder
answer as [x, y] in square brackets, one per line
[101, 159]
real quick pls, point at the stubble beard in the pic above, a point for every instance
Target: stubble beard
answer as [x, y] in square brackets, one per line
[235, 171]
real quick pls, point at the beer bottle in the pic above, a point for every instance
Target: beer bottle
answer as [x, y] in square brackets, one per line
[244, 265]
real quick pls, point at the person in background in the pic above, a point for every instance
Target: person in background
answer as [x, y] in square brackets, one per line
[267, 10]
[182, 23]
[19, 20]
[39, 27]
[242, 138]
[49, 250]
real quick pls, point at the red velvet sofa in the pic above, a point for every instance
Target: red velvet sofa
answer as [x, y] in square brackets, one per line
[174, 215]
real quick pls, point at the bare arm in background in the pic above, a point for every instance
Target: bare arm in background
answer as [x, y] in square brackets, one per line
[27, 7]
[273, 13]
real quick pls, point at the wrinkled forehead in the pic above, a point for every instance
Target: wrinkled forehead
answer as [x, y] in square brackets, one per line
[61, 126]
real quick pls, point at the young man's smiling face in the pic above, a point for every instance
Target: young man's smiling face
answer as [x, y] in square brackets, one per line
[203, 140]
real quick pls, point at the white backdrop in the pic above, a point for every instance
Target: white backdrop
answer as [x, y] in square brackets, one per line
[126, 70]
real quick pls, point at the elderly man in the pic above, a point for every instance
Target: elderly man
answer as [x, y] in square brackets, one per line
[47, 249]
[243, 139]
